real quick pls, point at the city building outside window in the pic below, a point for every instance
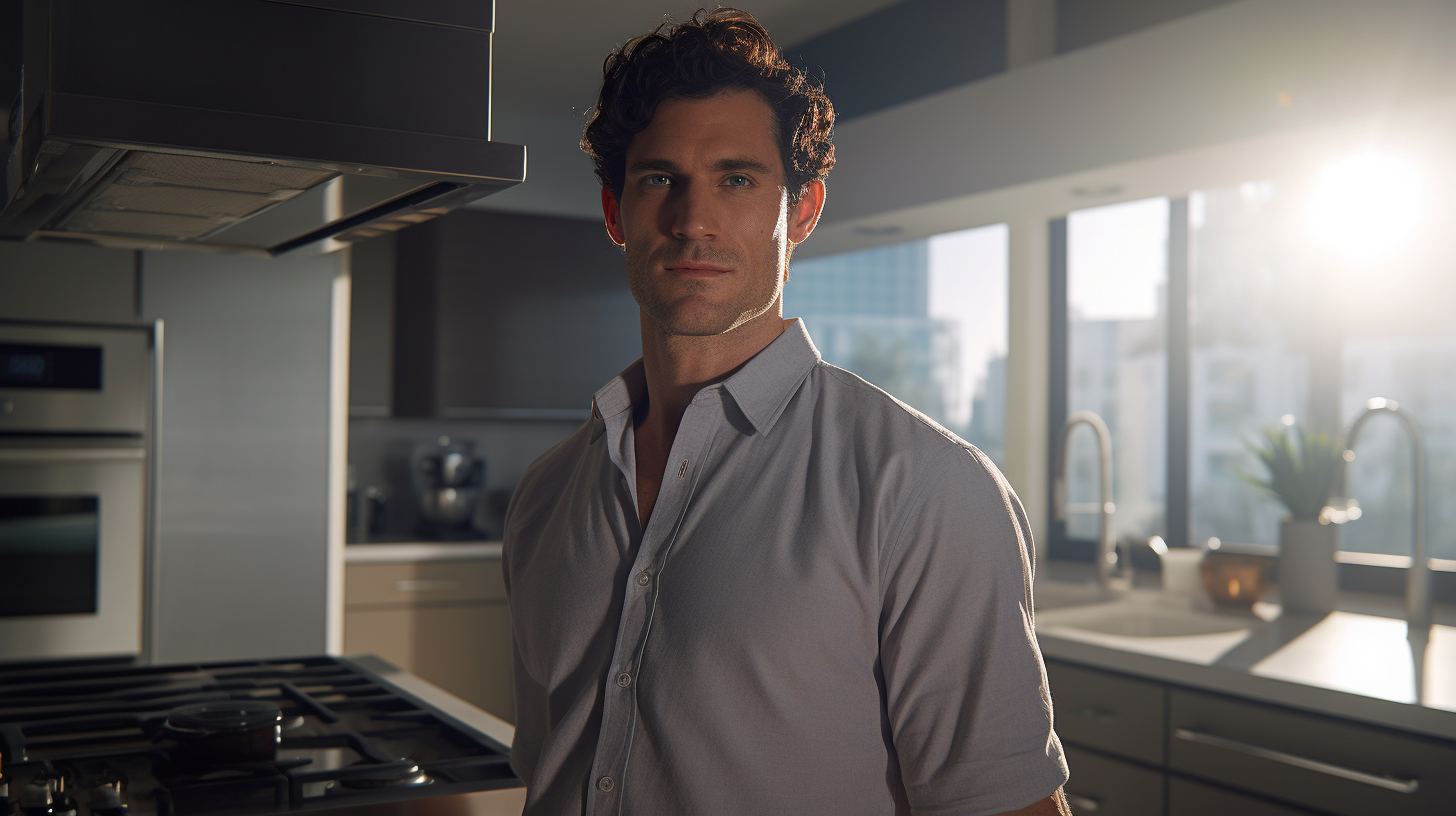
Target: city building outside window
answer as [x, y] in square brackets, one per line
[925, 320]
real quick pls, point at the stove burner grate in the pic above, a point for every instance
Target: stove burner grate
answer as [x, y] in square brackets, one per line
[344, 736]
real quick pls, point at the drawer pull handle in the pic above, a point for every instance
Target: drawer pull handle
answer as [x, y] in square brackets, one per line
[1387, 782]
[1082, 803]
[426, 585]
[1097, 714]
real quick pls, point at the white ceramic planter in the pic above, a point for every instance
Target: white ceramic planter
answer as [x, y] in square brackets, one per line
[1308, 581]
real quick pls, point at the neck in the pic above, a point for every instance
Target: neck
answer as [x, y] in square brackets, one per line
[678, 367]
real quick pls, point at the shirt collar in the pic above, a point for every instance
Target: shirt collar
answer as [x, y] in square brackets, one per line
[762, 388]
[765, 384]
[617, 396]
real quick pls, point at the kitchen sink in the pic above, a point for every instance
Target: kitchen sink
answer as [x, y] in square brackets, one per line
[1150, 622]
[1129, 618]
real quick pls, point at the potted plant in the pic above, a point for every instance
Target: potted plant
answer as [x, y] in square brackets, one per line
[1303, 466]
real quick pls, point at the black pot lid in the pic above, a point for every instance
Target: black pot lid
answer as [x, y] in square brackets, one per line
[225, 716]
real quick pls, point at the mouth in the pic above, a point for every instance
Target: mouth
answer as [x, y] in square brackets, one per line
[695, 269]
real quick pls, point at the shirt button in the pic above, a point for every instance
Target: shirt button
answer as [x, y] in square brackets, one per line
[604, 784]
[644, 578]
[624, 679]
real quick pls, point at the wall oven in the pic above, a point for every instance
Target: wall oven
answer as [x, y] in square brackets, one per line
[76, 446]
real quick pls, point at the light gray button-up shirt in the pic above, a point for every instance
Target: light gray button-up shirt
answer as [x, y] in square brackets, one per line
[829, 611]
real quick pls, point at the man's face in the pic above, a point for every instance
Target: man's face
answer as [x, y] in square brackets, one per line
[705, 217]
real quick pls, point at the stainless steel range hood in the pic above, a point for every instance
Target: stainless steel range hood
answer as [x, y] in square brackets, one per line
[246, 125]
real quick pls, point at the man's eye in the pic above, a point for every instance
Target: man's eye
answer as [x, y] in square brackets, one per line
[737, 181]
[657, 180]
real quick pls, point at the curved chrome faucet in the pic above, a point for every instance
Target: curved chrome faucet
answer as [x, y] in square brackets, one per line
[1106, 538]
[1417, 581]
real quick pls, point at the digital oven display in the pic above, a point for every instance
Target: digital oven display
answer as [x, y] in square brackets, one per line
[36, 366]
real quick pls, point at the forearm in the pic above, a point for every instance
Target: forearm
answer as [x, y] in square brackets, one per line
[1054, 805]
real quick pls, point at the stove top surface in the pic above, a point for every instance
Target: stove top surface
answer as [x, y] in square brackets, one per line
[228, 738]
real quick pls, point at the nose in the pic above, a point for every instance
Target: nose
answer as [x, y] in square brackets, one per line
[693, 213]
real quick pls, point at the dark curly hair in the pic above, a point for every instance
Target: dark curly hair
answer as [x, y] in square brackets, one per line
[714, 52]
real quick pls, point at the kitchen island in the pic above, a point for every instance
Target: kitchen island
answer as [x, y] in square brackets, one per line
[1269, 714]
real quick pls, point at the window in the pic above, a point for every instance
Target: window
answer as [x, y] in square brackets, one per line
[1117, 275]
[1248, 359]
[1264, 327]
[924, 320]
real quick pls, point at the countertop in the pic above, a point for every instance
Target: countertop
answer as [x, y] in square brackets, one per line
[1354, 663]
[398, 552]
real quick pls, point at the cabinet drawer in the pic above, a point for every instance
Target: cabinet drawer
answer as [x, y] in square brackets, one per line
[1189, 798]
[1108, 786]
[426, 582]
[1107, 711]
[1334, 765]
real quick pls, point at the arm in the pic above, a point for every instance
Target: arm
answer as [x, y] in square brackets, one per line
[965, 692]
[1054, 805]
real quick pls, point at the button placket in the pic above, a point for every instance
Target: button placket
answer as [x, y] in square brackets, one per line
[619, 711]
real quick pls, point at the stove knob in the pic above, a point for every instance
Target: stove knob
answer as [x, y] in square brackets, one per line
[36, 795]
[42, 797]
[106, 800]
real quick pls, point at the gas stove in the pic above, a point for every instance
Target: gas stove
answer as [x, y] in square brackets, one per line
[261, 737]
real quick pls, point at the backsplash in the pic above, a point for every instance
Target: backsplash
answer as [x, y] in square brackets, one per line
[379, 455]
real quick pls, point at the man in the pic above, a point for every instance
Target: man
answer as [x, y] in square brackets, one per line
[752, 583]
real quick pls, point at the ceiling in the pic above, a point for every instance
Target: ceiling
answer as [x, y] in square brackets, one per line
[548, 71]
[1158, 110]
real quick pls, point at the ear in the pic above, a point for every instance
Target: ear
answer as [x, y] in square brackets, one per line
[805, 214]
[612, 214]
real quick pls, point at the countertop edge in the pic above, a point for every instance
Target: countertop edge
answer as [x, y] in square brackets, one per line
[472, 716]
[1239, 683]
[414, 552]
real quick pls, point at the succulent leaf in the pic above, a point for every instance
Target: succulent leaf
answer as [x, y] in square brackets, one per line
[1301, 476]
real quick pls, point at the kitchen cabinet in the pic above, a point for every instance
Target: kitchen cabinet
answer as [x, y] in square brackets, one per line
[1333, 765]
[445, 621]
[1110, 712]
[371, 326]
[1189, 798]
[505, 316]
[1141, 746]
[1108, 786]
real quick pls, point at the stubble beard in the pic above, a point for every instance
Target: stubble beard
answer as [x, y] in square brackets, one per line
[690, 309]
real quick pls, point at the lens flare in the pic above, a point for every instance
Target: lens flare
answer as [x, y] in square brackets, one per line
[1366, 207]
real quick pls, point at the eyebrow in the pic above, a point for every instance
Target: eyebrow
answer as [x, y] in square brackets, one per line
[726, 165]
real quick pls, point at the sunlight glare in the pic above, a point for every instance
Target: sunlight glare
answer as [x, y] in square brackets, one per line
[1365, 207]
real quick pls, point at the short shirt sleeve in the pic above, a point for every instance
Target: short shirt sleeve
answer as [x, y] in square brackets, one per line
[966, 693]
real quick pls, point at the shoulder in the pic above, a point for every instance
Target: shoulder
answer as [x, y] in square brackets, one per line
[542, 483]
[916, 464]
[938, 485]
[881, 424]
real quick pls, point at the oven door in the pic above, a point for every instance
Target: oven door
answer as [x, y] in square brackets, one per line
[72, 520]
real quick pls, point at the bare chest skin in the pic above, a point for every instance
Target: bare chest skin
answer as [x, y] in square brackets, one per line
[651, 456]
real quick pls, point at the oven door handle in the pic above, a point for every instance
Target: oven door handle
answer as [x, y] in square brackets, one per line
[51, 455]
